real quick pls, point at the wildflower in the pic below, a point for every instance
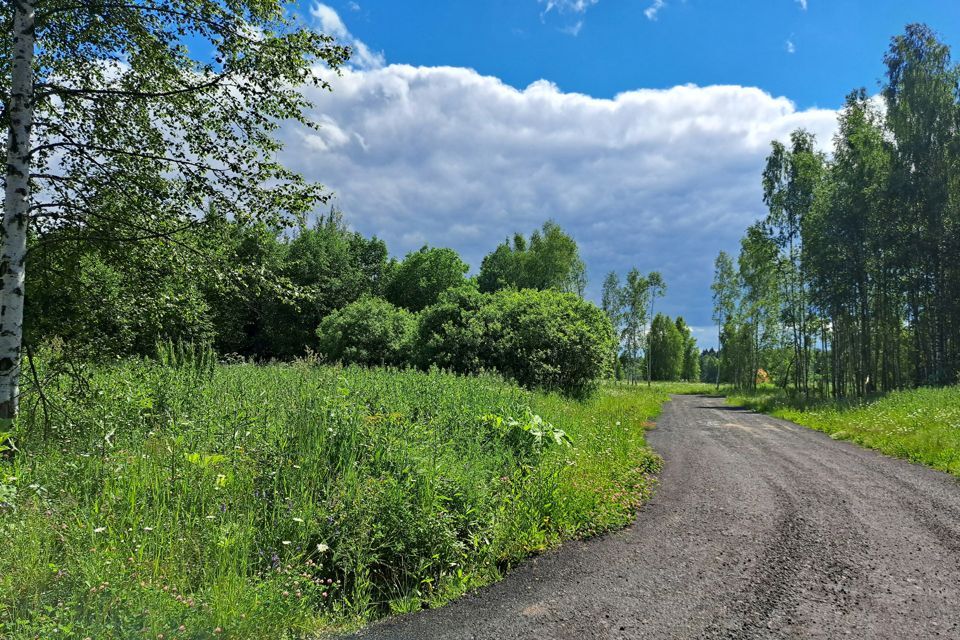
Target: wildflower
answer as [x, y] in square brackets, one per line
[322, 548]
[285, 542]
[99, 529]
[218, 631]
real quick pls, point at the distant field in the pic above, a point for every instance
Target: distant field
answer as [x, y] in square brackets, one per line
[676, 388]
[272, 502]
[921, 425]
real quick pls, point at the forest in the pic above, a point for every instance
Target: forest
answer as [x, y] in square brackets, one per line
[850, 285]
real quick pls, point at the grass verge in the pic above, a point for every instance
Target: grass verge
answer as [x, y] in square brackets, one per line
[920, 425]
[198, 501]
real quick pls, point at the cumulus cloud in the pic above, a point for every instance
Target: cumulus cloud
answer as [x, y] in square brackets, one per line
[803, 4]
[657, 179]
[330, 23]
[790, 46]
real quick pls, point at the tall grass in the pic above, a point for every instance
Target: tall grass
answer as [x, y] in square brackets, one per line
[199, 501]
[921, 425]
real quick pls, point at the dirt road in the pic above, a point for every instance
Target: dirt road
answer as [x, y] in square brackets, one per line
[760, 529]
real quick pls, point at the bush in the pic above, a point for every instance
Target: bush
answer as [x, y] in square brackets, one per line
[453, 334]
[370, 331]
[550, 340]
[542, 339]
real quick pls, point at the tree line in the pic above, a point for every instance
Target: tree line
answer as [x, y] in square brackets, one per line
[648, 346]
[851, 283]
[263, 293]
[143, 203]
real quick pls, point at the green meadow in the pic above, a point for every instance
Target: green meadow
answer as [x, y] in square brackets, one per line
[188, 499]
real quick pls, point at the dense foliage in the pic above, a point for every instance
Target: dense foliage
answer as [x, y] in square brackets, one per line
[549, 340]
[550, 259]
[115, 128]
[370, 331]
[195, 500]
[323, 289]
[666, 349]
[541, 339]
[851, 284]
[423, 276]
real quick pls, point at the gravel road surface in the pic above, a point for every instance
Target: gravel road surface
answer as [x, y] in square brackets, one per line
[760, 529]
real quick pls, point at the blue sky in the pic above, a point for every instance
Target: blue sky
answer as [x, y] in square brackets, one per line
[837, 44]
[641, 126]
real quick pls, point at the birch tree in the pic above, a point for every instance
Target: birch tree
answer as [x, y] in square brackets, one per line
[657, 290]
[635, 301]
[725, 292]
[105, 96]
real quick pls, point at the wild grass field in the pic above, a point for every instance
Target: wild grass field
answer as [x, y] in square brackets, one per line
[194, 500]
[921, 425]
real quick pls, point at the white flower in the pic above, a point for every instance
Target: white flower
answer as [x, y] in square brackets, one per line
[285, 542]
[99, 529]
[322, 548]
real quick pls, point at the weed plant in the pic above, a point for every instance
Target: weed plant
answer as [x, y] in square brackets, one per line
[178, 499]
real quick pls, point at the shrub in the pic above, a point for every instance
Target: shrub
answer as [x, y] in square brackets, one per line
[370, 331]
[550, 340]
[542, 339]
[453, 334]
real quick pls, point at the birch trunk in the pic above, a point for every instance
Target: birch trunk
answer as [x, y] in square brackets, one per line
[16, 204]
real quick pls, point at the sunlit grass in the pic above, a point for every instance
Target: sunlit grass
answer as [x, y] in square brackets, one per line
[676, 388]
[921, 425]
[275, 502]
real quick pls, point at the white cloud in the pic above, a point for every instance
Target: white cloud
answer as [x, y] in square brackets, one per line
[657, 179]
[803, 4]
[791, 46]
[576, 6]
[331, 24]
[652, 11]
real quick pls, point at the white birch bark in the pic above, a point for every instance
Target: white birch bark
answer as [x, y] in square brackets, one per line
[16, 204]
